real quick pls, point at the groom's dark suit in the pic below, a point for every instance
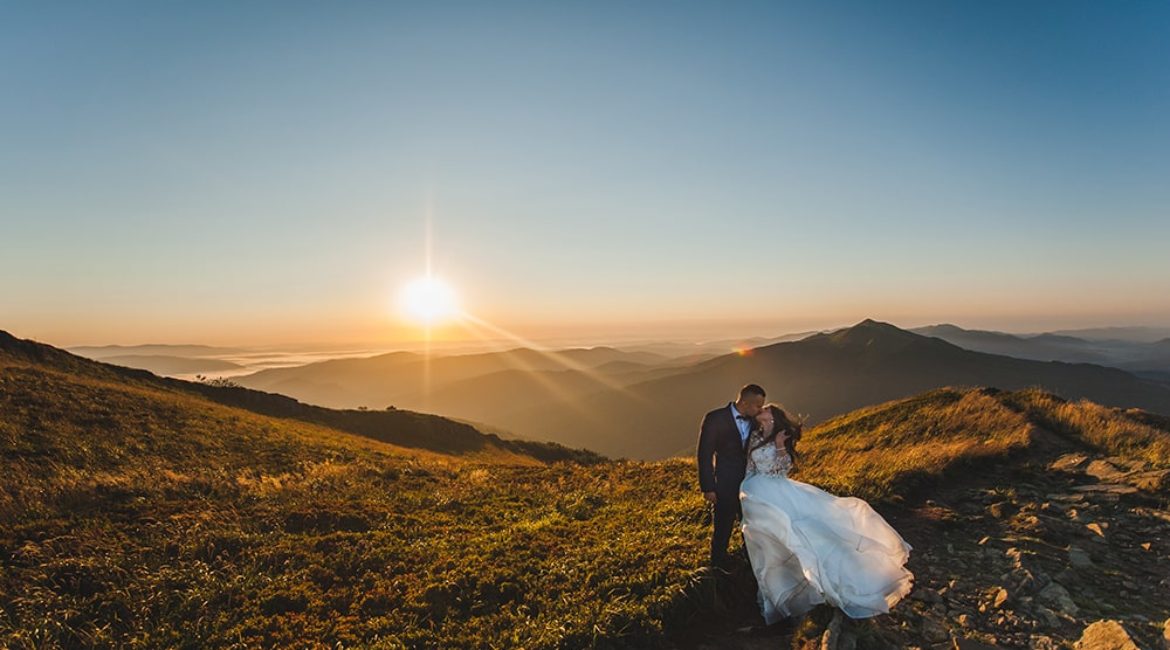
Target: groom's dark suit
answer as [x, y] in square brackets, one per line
[722, 463]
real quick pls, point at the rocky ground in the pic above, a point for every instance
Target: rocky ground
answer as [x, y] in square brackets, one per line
[1058, 548]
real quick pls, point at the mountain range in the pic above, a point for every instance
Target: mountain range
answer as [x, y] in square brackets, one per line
[399, 427]
[1146, 358]
[620, 404]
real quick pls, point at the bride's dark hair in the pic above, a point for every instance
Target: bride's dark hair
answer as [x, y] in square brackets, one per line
[782, 423]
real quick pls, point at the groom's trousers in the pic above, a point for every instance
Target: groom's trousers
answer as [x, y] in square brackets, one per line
[727, 510]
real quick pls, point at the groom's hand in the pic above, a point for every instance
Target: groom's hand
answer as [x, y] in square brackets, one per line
[710, 496]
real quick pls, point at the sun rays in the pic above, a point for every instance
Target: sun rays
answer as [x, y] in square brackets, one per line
[430, 303]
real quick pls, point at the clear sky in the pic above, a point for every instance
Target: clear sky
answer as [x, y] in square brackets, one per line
[251, 172]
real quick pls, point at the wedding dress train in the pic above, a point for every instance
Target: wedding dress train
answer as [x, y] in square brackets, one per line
[807, 546]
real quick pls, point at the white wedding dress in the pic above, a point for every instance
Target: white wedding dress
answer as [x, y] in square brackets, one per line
[808, 547]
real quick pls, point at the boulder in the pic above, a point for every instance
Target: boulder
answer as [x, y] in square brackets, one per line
[1104, 471]
[1105, 635]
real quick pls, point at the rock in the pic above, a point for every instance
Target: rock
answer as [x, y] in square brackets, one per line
[972, 644]
[1049, 618]
[1014, 555]
[1069, 462]
[1152, 481]
[837, 638]
[933, 631]
[1106, 489]
[926, 595]
[1166, 635]
[1079, 558]
[1103, 471]
[1001, 597]
[965, 620]
[1057, 597]
[1041, 642]
[831, 639]
[1105, 635]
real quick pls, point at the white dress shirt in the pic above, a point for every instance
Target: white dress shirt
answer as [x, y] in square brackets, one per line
[744, 426]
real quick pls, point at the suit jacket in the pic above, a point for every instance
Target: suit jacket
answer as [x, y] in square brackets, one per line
[722, 454]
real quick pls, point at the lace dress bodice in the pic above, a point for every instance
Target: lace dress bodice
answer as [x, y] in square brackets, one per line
[768, 459]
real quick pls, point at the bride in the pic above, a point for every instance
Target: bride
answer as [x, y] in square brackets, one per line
[807, 546]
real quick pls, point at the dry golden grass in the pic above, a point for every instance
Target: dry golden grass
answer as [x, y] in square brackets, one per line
[1123, 432]
[882, 451]
[137, 517]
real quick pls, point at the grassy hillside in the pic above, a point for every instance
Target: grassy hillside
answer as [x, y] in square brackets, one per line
[135, 516]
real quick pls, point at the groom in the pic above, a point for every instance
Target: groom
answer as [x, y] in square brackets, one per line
[723, 461]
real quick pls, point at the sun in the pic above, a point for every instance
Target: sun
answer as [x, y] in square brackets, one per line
[429, 301]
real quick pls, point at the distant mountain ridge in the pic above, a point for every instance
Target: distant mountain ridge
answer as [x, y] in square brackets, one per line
[399, 427]
[151, 349]
[819, 376]
[1140, 357]
[622, 408]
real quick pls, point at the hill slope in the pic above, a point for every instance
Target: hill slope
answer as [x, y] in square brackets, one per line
[131, 515]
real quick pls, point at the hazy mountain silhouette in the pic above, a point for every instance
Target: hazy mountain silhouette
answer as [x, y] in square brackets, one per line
[171, 365]
[177, 350]
[399, 427]
[1042, 347]
[412, 380]
[1127, 334]
[1138, 357]
[819, 376]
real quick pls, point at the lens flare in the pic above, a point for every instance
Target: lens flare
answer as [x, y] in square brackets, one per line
[429, 301]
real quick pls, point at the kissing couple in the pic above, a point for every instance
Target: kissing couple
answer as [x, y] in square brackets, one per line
[806, 546]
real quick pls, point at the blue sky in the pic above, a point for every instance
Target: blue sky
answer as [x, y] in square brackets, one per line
[257, 172]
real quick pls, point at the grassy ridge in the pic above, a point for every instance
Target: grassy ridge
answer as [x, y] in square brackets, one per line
[883, 451]
[139, 517]
[146, 518]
